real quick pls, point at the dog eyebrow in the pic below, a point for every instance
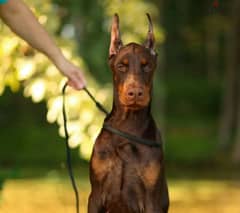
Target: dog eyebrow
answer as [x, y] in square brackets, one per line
[125, 61]
[143, 61]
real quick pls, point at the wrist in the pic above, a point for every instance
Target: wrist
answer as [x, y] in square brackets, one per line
[57, 58]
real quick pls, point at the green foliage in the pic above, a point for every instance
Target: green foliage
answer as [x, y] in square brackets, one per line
[22, 66]
[133, 21]
[183, 92]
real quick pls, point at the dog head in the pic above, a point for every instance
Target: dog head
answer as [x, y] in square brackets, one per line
[133, 67]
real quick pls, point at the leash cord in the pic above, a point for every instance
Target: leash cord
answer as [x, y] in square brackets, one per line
[99, 106]
[132, 138]
[68, 152]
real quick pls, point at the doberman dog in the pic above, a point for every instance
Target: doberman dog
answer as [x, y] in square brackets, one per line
[126, 176]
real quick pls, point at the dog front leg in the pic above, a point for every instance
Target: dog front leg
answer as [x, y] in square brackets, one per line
[164, 195]
[94, 203]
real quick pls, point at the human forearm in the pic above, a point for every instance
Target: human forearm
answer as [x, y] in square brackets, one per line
[21, 20]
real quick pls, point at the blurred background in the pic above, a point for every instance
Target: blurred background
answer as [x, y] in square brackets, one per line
[196, 101]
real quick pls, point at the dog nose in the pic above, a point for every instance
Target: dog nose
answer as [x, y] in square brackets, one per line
[135, 93]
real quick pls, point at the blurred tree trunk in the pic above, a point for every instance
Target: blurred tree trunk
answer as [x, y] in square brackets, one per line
[229, 96]
[236, 149]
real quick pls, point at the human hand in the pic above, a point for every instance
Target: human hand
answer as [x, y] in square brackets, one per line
[73, 73]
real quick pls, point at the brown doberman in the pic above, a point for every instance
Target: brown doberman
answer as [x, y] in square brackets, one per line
[127, 176]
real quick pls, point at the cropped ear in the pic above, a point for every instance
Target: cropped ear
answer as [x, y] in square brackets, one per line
[150, 41]
[116, 42]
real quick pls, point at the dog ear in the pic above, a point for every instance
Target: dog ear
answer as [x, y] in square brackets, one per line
[150, 41]
[116, 42]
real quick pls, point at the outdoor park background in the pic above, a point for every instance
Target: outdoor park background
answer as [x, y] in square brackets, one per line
[196, 101]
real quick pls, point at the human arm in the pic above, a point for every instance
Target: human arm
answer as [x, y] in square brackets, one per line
[21, 20]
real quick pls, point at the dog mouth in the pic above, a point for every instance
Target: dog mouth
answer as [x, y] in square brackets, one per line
[134, 105]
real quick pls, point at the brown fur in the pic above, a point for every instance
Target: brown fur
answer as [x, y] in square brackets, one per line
[129, 177]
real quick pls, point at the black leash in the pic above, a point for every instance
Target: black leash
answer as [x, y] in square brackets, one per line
[68, 152]
[128, 136]
[98, 105]
[132, 138]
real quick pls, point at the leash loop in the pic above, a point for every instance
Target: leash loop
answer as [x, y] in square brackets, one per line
[68, 152]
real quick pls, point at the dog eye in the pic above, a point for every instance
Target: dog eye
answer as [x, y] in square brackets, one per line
[145, 66]
[122, 67]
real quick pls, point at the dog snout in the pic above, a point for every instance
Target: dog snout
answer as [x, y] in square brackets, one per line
[134, 93]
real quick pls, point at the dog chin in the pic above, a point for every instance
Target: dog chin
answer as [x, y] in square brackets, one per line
[134, 106]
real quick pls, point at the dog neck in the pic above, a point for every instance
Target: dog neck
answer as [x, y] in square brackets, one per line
[129, 120]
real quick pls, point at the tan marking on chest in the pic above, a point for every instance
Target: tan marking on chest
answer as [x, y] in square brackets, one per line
[101, 167]
[151, 174]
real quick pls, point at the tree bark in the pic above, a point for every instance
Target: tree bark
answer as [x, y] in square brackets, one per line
[229, 101]
[236, 148]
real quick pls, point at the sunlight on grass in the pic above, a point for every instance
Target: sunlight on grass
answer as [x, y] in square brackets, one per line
[205, 196]
[42, 195]
[54, 194]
